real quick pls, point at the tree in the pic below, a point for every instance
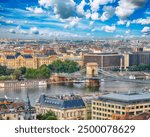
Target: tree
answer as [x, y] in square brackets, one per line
[5, 71]
[41, 73]
[23, 70]
[67, 66]
[17, 73]
[30, 73]
[47, 116]
[44, 72]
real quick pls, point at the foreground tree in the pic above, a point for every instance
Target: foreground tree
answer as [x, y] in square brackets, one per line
[47, 116]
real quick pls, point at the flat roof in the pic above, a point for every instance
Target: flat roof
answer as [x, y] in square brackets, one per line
[103, 54]
[126, 96]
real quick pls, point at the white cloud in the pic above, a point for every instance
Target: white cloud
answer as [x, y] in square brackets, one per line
[127, 31]
[26, 22]
[35, 10]
[80, 7]
[96, 3]
[128, 24]
[142, 21]
[93, 30]
[11, 31]
[119, 36]
[88, 34]
[62, 8]
[123, 12]
[121, 22]
[95, 16]
[88, 14]
[91, 23]
[127, 7]
[9, 22]
[23, 31]
[73, 22]
[124, 22]
[109, 28]
[146, 30]
[45, 3]
[34, 30]
[108, 13]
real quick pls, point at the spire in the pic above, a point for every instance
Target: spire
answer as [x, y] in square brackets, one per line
[28, 101]
[28, 109]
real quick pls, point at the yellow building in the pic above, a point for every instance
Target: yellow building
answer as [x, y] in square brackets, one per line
[65, 107]
[116, 105]
[25, 60]
[126, 60]
[72, 57]
[42, 59]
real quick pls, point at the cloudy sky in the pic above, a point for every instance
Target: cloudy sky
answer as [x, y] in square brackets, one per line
[74, 18]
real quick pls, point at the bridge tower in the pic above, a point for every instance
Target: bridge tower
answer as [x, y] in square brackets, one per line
[91, 74]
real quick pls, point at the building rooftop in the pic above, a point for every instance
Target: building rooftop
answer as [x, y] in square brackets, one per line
[10, 57]
[141, 116]
[103, 54]
[126, 97]
[28, 56]
[61, 102]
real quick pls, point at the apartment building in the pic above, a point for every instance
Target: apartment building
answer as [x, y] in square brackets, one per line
[116, 105]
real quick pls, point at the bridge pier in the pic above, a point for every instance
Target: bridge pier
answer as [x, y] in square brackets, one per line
[91, 72]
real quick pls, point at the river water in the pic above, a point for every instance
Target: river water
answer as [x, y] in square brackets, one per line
[35, 92]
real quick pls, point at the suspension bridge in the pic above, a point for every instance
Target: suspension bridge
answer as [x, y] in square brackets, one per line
[92, 73]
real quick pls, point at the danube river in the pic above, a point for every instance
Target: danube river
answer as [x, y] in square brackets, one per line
[34, 93]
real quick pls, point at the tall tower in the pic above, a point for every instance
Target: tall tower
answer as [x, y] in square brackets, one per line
[28, 107]
[91, 73]
[91, 69]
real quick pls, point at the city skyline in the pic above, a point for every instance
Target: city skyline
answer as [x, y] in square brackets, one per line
[78, 19]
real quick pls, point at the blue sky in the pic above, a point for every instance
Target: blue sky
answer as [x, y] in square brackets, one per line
[66, 19]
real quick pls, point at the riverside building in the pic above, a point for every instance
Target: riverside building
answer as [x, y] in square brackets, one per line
[68, 107]
[116, 105]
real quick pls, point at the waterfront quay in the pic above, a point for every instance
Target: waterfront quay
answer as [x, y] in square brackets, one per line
[25, 83]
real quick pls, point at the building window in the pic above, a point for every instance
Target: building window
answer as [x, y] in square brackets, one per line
[141, 106]
[8, 118]
[117, 112]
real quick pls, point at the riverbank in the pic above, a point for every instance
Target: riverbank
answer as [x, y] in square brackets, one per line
[25, 83]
